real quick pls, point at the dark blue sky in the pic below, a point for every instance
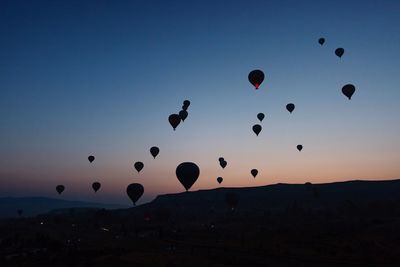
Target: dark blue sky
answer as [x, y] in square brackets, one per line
[101, 77]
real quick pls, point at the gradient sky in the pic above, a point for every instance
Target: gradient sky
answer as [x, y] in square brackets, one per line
[102, 77]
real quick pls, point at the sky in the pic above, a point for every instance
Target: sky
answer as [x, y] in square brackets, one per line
[80, 78]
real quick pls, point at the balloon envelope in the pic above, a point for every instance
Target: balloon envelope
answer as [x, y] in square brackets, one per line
[260, 116]
[135, 191]
[187, 173]
[221, 159]
[254, 172]
[223, 164]
[91, 159]
[348, 90]
[174, 120]
[183, 114]
[290, 107]
[96, 186]
[257, 129]
[256, 77]
[154, 151]
[219, 180]
[339, 52]
[139, 166]
[299, 147]
[186, 103]
[60, 188]
[321, 41]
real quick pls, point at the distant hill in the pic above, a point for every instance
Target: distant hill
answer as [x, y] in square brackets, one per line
[280, 197]
[33, 206]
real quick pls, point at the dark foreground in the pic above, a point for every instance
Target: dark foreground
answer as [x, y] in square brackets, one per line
[336, 225]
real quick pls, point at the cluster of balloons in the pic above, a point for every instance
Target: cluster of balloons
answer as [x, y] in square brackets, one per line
[188, 172]
[136, 190]
[349, 89]
[95, 185]
[338, 51]
[175, 119]
[222, 163]
[257, 127]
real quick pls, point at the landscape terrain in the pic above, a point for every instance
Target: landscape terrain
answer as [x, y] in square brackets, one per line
[351, 223]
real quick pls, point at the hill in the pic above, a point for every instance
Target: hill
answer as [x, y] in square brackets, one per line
[32, 206]
[279, 197]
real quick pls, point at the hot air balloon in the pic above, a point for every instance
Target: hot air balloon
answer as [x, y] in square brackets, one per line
[183, 114]
[60, 188]
[154, 151]
[260, 116]
[299, 147]
[96, 186]
[174, 120]
[220, 159]
[91, 159]
[219, 180]
[348, 90]
[186, 104]
[139, 166]
[290, 107]
[257, 129]
[256, 77]
[339, 52]
[321, 41]
[20, 211]
[135, 191]
[232, 199]
[187, 173]
[254, 172]
[223, 164]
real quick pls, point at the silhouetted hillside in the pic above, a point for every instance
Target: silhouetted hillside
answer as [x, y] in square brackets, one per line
[279, 197]
[32, 206]
[335, 225]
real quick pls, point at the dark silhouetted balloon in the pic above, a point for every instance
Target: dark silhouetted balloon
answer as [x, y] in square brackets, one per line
[257, 129]
[321, 41]
[219, 180]
[96, 186]
[221, 159]
[60, 188]
[183, 114]
[91, 159]
[174, 120]
[154, 151]
[232, 199]
[299, 147]
[254, 172]
[348, 90]
[139, 166]
[20, 211]
[290, 107]
[135, 191]
[223, 164]
[186, 103]
[260, 116]
[256, 77]
[339, 52]
[187, 173]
